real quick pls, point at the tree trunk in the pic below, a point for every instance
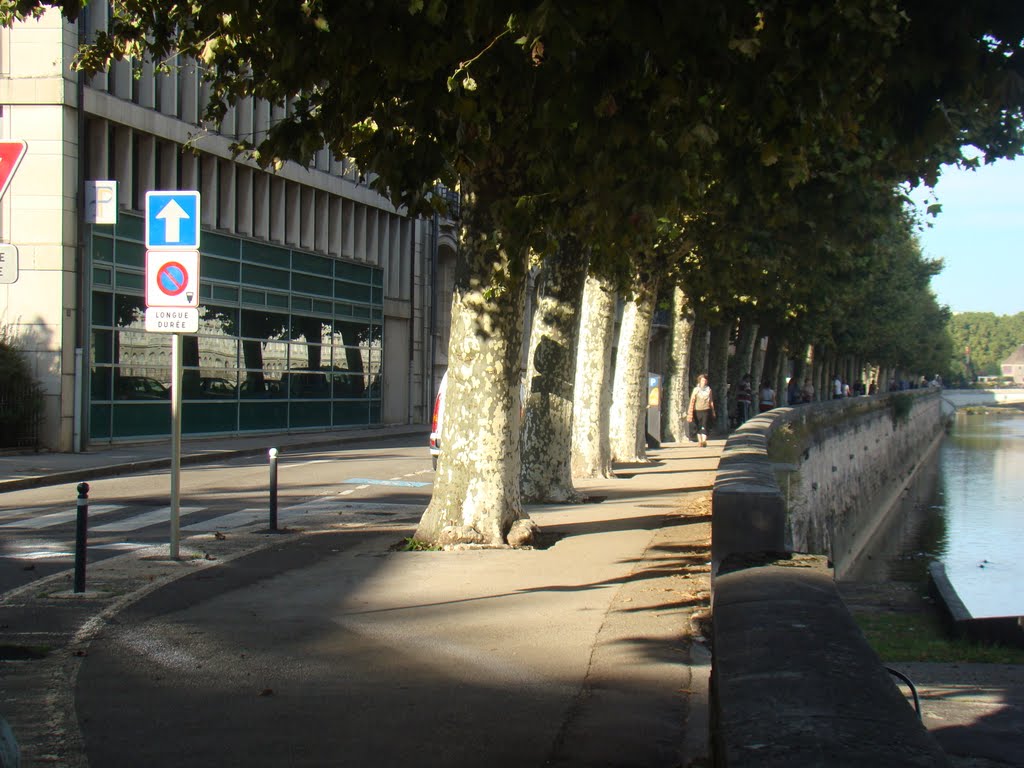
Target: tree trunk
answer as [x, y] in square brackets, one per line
[757, 365]
[718, 368]
[551, 373]
[676, 386]
[591, 451]
[771, 359]
[740, 362]
[476, 488]
[698, 349]
[820, 375]
[779, 380]
[629, 392]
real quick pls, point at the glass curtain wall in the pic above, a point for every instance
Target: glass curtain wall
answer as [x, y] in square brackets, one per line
[287, 340]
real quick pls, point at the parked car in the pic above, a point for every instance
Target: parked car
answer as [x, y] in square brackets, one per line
[214, 387]
[437, 421]
[140, 388]
[305, 383]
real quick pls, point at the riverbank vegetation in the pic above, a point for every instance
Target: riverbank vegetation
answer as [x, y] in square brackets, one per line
[903, 623]
[981, 341]
[922, 636]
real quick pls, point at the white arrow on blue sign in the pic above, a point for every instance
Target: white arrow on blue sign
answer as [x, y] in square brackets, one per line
[172, 219]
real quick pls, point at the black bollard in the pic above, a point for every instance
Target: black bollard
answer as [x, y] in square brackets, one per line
[81, 534]
[273, 489]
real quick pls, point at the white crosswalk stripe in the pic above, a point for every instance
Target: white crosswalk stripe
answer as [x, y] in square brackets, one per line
[56, 518]
[230, 520]
[162, 515]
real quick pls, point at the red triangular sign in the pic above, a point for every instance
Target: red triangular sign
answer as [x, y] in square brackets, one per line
[11, 153]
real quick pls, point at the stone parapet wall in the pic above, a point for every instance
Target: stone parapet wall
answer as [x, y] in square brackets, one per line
[794, 682]
[819, 478]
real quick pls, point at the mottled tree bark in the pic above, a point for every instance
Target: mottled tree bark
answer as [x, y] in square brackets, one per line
[591, 451]
[629, 390]
[698, 349]
[757, 366]
[551, 373]
[718, 374]
[476, 489]
[677, 389]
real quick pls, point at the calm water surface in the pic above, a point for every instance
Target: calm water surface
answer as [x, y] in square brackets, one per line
[965, 510]
[981, 495]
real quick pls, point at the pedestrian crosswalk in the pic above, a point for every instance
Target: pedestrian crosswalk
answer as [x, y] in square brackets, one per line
[113, 518]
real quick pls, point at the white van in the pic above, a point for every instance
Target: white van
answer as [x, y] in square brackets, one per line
[437, 421]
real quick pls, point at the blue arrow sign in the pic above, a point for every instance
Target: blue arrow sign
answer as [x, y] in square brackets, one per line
[172, 219]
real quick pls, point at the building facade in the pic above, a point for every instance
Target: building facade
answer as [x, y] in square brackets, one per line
[321, 306]
[1013, 366]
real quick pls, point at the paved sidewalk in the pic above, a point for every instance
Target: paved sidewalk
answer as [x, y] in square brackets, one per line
[324, 647]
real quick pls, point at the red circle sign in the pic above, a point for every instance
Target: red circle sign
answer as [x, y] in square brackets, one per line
[172, 278]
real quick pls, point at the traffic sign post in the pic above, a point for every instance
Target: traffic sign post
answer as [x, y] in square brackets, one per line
[172, 301]
[175, 445]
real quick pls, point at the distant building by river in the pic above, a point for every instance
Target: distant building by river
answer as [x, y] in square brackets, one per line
[1013, 366]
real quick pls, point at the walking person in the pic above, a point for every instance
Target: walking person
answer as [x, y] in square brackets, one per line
[701, 409]
[807, 393]
[744, 399]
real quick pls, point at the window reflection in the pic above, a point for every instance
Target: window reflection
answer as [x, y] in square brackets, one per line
[248, 367]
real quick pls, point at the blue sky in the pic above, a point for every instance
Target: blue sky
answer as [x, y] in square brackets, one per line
[980, 236]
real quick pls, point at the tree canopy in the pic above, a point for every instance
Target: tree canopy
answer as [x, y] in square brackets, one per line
[990, 339]
[748, 150]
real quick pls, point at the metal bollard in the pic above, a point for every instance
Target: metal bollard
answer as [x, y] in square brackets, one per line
[81, 534]
[273, 489]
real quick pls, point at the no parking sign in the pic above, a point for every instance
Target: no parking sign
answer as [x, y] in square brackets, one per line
[172, 278]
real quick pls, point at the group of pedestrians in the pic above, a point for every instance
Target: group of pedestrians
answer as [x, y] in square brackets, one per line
[701, 409]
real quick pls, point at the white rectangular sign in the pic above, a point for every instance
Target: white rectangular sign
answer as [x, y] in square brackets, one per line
[172, 320]
[101, 202]
[8, 264]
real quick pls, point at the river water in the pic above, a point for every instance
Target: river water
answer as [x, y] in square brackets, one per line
[966, 510]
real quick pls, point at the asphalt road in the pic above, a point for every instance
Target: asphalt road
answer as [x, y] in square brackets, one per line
[37, 526]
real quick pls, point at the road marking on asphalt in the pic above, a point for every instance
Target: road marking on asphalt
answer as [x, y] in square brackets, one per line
[57, 518]
[41, 554]
[230, 520]
[394, 482]
[162, 515]
[284, 464]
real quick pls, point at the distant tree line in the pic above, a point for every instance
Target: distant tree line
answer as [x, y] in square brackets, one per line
[981, 341]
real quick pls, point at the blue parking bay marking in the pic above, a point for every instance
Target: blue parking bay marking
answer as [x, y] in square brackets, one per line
[393, 483]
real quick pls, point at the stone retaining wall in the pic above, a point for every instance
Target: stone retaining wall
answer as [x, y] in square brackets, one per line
[819, 478]
[794, 682]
